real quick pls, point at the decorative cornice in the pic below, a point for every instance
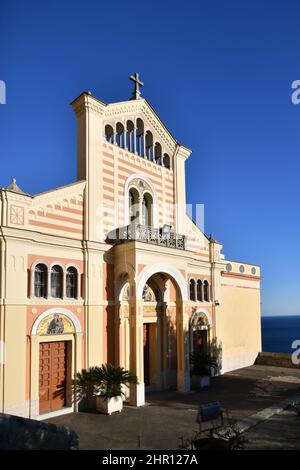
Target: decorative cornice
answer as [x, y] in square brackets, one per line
[183, 151]
[61, 302]
[88, 102]
[142, 106]
[241, 276]
[24, 199]
[64, 191]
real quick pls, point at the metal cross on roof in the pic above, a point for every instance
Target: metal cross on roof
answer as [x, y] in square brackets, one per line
[137, 83]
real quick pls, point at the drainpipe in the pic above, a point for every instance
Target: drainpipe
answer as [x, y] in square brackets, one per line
[213, 288]
[2, 293]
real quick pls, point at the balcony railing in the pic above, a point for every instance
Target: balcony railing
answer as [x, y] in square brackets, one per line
[146, 234]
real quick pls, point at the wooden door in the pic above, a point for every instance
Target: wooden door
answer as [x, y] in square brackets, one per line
[200, 341]
[53, 375]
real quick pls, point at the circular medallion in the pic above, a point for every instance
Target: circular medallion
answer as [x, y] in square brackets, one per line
[228, 267]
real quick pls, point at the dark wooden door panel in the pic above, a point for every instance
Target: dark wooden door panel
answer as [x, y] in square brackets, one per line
[53, 369]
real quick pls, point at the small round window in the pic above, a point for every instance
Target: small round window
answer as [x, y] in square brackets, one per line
[242, 269]
[228, 267]
[253, 271]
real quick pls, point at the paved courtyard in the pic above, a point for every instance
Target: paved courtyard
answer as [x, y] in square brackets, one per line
[169, 416]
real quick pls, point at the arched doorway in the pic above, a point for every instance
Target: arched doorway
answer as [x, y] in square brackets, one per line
[152, 310]
[200, 323]
[153, 329]
[55, 356]
[164, 328]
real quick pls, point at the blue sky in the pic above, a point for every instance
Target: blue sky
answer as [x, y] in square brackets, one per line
[218, 73]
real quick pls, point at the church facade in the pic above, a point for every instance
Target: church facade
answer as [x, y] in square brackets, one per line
[112, 269]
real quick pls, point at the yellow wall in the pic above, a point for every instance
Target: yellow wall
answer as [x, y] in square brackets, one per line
[15, 360]
[238, 324]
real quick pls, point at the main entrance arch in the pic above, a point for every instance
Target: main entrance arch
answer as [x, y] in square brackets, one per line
[154, 330]
[166, 269]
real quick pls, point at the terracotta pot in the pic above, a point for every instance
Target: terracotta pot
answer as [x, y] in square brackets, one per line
[211, 443]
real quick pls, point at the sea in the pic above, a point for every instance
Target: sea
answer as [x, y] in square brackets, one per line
[279, 332]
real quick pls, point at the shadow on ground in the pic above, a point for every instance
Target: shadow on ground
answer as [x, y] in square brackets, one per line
[169, 416]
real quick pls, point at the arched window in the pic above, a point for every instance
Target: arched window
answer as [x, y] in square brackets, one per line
[206, 291]
[192, 289]
[109, 134]
[72, 283]
[133, 206]
[139, 146]
[149, 145]
[130, 136]
[40, 280]
[157, 153]
[147, 210]
[56, 281]
[167, 161]
[120, 135]
[199, 290]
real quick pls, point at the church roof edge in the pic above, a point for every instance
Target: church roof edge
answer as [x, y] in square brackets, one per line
[88, 93]
[191, 218]
[59, 187]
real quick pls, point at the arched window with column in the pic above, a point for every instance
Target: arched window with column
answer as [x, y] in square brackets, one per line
[130, 136]
[40, 280]
[56, 281]
[192, 289]
[158, 153]
[206, 291]
[109, 134]
[147, 205]
[199, 290]
[139, 146]
[134, 206]
[120, 135]
[72, 283]
[149, 145]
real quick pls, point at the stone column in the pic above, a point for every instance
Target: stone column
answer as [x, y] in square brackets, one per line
[64, 284]
[137, 392]
[121, 336]
[118, 335]
[159, 349]
[144, 145]
[165, 344]
[183, 346]
[140, 218]
[34, 377]
[133, 150]
[48, 287]
[78, 365]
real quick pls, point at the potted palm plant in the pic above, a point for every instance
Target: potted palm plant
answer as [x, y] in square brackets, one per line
[108, 384]
[202, 367]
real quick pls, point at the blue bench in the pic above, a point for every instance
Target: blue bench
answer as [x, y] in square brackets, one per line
[212, 415]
